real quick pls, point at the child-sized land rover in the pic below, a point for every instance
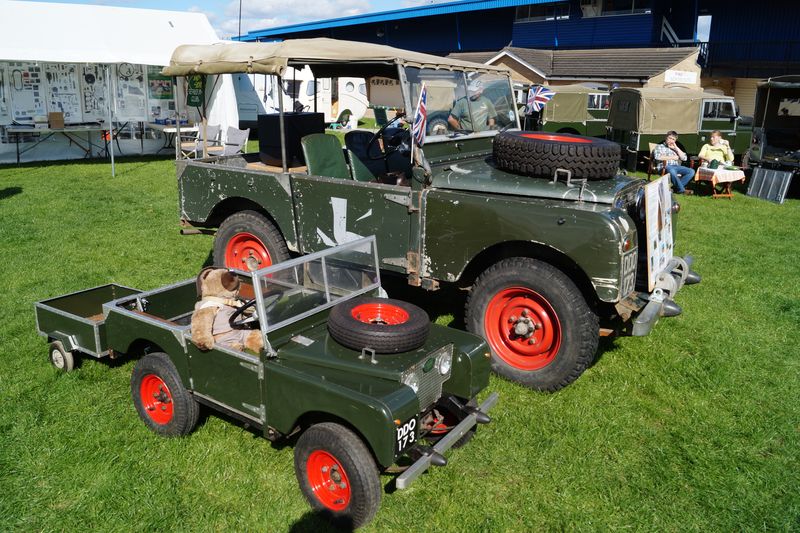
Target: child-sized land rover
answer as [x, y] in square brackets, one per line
[549, 240]
[368, 383]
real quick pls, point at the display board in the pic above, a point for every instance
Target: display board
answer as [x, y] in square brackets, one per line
[131, 87]
[95, 92]
[160, 95]
[24, 85]
[5, 96]
[658, 205]
[64, 91]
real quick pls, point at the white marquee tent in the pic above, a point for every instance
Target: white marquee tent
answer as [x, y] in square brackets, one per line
[73, 34]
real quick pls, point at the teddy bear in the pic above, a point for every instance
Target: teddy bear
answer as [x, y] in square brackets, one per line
[218, 289]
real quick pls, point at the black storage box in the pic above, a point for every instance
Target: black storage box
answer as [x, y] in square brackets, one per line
[297, 126]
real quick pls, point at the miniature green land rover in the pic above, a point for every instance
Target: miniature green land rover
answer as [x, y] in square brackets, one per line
[540, 229]
[367, 383]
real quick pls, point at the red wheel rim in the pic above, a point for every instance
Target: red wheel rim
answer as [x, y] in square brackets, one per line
[328, 480]
[555, 137]
[529, 351]
[380, 313]
[156, 399]
[245, 251]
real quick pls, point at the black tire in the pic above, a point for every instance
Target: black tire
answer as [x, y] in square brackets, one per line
[381, 324]
[331, 445]
[232, 240]
[520, 288]
[61, 358]
[539, 154]
[174, 412]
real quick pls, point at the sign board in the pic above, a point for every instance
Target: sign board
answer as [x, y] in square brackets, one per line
[64, 91]
[195, 94]
[680, 76]
[131, 85]
[95, 92]
[160, 95]
[26, 88]
[658, 204]
[5, 97]
[385, 92]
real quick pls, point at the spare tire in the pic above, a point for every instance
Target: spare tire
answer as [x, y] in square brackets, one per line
[539, 154]
[381, 324]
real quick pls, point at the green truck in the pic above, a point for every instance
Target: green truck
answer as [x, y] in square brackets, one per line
[366, 382]
[639, 119]
[576, 109]
[545, 237]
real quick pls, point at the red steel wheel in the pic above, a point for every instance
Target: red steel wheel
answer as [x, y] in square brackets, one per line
[522, 328]
[245, 251]
[156, 399]
[380, 313]
[328, 480]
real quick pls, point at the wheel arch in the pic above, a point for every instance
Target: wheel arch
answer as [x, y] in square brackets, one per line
[232, 205]
[547, 254]
[310, 418]
[573, 131]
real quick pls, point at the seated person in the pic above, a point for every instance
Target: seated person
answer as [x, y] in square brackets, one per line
[718, 149]
[478, 107]
[669, 155]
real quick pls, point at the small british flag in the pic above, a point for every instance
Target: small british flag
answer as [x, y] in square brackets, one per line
[537, 97]
[420, 118]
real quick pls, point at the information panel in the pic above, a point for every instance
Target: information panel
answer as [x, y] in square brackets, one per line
[94, 88]
[131, 88]
[26, 91]
[63, 91]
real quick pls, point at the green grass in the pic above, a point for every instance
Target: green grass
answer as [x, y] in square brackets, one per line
[695, 427]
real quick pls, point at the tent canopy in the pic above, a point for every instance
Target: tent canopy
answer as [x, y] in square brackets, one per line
[326, 57]
[74, 33]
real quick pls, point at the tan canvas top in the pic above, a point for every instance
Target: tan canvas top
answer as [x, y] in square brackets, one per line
[332, 56]
[656, 110]
[570, 103]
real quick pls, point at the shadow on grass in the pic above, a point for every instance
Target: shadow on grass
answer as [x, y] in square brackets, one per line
[8, 192]
[313, 522]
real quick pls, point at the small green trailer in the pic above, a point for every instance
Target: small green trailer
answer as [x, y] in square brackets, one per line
[329, 370]
[576, 109]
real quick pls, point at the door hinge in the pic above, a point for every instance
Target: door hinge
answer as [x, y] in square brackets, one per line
[258, 368]
[401, 199]
[260, 410]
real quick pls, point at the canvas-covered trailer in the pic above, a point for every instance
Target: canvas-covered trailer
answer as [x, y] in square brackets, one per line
[576, 109]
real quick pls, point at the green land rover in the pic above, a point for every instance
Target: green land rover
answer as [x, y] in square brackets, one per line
[543, 235]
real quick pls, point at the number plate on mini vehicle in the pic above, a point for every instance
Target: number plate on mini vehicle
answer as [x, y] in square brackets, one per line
[629, 261]
[406, 435]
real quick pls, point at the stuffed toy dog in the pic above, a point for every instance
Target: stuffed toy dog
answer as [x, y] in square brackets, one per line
[219, 291]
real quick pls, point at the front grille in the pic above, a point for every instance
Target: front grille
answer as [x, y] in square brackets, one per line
[430, 382]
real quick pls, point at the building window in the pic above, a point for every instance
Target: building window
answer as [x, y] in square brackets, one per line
[539, 12]
[601, 8]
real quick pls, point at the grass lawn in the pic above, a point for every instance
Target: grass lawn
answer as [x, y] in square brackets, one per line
[695, 427]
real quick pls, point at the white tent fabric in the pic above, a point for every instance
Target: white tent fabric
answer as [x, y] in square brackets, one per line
[74, 33]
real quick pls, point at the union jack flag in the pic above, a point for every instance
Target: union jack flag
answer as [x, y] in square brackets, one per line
[420, 117]
[537, 97]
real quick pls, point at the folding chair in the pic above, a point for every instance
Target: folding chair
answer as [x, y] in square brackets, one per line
[235, 139]
[194, 147]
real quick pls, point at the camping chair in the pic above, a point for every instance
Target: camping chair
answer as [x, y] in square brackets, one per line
[341, 122]
[194, 147]
[652, 163]
[324, 156]
[235, 140]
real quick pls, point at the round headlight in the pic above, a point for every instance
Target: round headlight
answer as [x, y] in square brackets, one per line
[444, 363]
[412, 380]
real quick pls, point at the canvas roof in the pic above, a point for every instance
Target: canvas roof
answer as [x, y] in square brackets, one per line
[75, 33]
[605, 63]
[326, 57]
[656, 110]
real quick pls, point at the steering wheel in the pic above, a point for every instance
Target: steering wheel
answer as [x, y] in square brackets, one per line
[237, 321]
[393, 144]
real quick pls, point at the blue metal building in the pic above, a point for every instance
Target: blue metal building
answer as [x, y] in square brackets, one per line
[747, 39]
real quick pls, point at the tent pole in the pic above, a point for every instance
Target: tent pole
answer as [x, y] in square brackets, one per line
[175, 89]
[280, 121]
[110, 123]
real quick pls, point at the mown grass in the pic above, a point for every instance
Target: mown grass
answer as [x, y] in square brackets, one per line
[695, 427]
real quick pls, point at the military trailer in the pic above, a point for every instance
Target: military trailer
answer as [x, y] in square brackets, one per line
[540, 230]
[366, 382]
[775, 150]
[576, 109]
[640, 118]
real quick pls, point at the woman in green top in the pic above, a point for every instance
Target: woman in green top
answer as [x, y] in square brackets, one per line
[718, 150]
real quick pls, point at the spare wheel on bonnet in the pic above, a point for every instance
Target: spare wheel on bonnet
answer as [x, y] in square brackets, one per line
[540, 154]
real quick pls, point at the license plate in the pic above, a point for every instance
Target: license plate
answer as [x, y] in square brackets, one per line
[406, 435]
[629, 261]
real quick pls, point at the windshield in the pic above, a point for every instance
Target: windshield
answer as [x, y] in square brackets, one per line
[461, 102]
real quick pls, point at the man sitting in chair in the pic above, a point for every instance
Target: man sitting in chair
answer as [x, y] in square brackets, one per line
[668, 155]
